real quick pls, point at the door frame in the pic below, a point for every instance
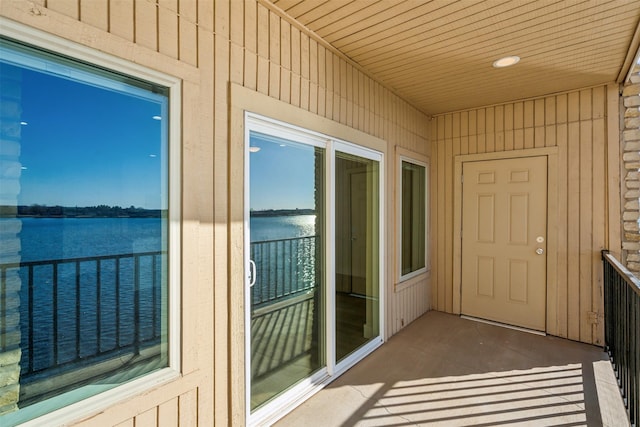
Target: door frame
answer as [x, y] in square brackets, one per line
[552, 220]
[298, 393]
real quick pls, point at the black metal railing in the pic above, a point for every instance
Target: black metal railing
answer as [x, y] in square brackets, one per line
[284, 268]
[622, 330]
[76, 311]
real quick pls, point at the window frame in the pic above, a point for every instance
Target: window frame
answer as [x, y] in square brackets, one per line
[77, 409]
[423, 161]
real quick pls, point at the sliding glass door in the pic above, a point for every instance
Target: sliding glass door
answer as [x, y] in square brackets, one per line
[357, 252]
[286, 258]
[313, 245]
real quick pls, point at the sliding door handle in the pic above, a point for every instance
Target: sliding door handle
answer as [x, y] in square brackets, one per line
[252, 273]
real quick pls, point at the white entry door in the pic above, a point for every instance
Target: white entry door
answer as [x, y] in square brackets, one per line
[504, 232]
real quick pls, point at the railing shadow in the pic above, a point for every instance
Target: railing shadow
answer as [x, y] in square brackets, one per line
[281, 335]
[446, 371]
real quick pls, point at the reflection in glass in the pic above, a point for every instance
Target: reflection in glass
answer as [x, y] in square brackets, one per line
[413, 218]
[287, 239]
[84, 206]
[357, 252]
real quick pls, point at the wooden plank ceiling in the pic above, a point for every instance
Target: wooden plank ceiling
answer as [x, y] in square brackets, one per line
[438, 54]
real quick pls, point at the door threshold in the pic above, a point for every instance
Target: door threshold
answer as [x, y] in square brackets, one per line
[504, 325]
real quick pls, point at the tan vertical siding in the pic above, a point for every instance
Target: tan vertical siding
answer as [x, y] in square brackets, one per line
[168, 414]
[121, 18]
[95, 13]
[575, 123]
[210, 44]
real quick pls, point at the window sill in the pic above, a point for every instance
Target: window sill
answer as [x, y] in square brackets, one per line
[412, 281]
[49, 412]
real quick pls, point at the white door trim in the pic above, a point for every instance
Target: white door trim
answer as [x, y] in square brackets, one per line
[283, 403]
[552, 219]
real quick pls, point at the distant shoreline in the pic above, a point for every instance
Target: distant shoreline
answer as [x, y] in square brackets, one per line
[103, 211]
[100, 211]
[282, 212]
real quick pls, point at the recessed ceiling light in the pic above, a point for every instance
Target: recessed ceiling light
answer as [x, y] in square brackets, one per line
[156, 118]
[254, 149]
[507, 61]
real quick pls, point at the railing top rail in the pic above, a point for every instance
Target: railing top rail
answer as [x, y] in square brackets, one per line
[284, 240]
[628, 276]
[81, 259]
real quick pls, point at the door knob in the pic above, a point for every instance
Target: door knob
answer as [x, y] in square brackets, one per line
[539, 251]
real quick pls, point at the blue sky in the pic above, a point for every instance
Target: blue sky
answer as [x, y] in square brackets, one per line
[82, 145]
[282, 174]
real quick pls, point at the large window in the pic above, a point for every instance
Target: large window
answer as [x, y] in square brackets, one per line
[412, 218]
[84, 230]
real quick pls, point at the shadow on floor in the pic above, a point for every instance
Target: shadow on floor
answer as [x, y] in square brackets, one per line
[448, 371]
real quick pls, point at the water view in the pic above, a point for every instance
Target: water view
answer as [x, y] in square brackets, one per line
[58, 238]
[99, 285]
[78, 276]
[281, 227]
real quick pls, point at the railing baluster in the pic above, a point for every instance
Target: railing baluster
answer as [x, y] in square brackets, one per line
[154, 295]
[280, 268]
[136, 304]
[56, 355]
[78, 311]
[633, 367]
[622, 326]
[98, 306]
[3, 308]
[40, 355]
[117, 297]
[295, 265]
[289, 284]
[285, 268]
[30, 333]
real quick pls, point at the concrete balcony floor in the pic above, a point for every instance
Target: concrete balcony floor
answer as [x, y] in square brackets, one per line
[443, 370]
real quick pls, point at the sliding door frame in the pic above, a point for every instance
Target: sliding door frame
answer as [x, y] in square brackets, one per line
[338, 368]
[298, 393]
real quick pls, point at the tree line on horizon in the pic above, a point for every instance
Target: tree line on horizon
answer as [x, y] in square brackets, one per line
[99, 211]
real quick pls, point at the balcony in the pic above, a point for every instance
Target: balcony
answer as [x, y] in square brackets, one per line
[440, 370]
[84, 318]
[449, 371]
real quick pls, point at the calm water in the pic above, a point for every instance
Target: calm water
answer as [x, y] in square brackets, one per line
[101, 297]
[281, 227]
[108, 295]
[284, 252]
[57, 238]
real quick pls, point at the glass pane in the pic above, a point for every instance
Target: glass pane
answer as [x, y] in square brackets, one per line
[357, 252]
[83, 227]
[286, 232]
[413, 217]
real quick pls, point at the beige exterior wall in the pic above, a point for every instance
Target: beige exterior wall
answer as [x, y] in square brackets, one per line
[210, 45]
[583, 126]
